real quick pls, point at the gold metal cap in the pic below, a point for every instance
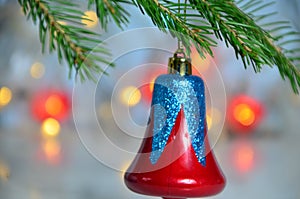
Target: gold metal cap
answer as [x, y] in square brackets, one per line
[180, 64]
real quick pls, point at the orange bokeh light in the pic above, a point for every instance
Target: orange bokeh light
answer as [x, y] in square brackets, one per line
[50, 104]
[54, 105]
[244, 114]
[245, 156]
[52, 151]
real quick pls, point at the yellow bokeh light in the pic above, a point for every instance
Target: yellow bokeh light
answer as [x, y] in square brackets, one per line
[50, 127]
[4, 172]
[90, 19]
[124, 168]
[131, 96]
[5, 96]
[244, 114]
[52, 150]
[37, 70]
[213, 117]
[201, 63]
[53, 105]
[209, 121]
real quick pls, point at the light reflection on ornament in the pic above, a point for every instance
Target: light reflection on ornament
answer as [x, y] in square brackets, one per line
[130, 96]
[52, 151]
[90, 19]
[37, 70]
[50, 127]
[5, 96]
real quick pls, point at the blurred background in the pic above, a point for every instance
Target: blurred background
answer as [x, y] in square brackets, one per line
[42, 156]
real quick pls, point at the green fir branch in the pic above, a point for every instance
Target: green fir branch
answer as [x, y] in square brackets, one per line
[238, 23]
[108, 10]
[236, 26]
[61, 28]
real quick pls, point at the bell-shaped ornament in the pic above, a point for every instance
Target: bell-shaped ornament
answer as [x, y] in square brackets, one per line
[175, 159]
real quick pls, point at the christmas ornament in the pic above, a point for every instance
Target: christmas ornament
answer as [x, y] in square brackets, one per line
[50, 104]
[244, 114]
[175, 159]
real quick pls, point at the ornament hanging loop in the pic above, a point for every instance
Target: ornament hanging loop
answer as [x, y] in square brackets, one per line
[180, 63]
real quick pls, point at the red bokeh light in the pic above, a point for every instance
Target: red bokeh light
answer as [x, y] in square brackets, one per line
[50, 103]
[244, 114]
[147, 88]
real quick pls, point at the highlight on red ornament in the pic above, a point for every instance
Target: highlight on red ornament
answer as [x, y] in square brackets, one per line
[50, 103]
[244, 114]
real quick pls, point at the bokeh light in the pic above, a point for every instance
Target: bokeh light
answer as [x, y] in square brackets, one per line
[202, 64]
[244, 156]
[208, 122]
[151, 84]
[213, 117]
[90, 19]
[5, 96]
[54, 105]
[50, 127]
[37, 70]
[4, 172]
[50, 103]
[130, 96]
[244, 114]
[52, 151]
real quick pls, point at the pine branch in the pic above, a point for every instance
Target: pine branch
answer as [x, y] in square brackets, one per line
[254, 45]
[60, 24]
[251, 43]
[234, 22]
[166, 17]
[111, 9]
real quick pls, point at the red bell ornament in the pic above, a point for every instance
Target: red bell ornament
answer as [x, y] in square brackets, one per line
[175, 159]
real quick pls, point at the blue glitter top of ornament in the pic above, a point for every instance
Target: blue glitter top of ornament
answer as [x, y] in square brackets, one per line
[171, 92]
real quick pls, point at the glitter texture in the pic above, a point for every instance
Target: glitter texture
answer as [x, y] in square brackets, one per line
[171, 92]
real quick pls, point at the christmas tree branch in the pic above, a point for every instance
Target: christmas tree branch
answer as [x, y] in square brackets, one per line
[60, 22]
[229, 23]
[111, 9]
[181, 25]
[234, 22]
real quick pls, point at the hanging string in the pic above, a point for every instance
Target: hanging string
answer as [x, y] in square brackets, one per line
[179, 44]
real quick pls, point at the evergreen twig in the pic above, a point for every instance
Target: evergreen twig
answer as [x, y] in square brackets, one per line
[233, 21]
[61, 28]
